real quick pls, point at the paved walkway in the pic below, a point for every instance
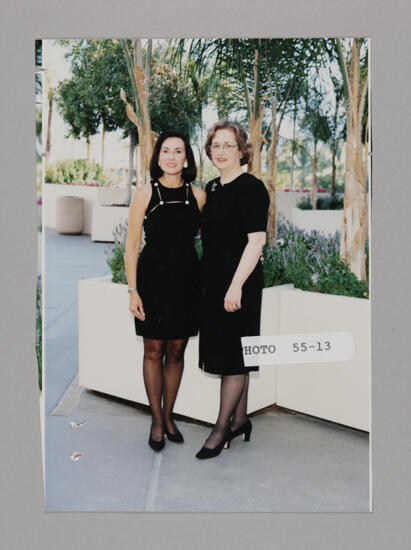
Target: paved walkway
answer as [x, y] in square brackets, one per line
[294, 463]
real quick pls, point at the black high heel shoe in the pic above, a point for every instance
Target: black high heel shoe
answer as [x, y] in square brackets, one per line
[205, 452]
[244, 429]
[175, 438]
[155, 445]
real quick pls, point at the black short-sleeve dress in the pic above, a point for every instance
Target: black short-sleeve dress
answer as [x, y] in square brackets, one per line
[231, 212]
[168, 269]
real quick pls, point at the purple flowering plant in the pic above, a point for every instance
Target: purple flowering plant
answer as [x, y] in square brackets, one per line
[310, 261]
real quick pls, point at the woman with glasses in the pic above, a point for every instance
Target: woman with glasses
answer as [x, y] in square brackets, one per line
[163, 281]
[233, 233]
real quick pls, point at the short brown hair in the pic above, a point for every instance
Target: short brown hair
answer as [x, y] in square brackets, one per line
[240, 137]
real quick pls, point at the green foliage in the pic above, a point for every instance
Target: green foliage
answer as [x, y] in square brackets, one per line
[310, 261]
[39, 343]
[91, 97]
[305, 204]
[324, 181]
[323, 203]
[115, 261]
[173, 105]
[330, 203]
[75, 171]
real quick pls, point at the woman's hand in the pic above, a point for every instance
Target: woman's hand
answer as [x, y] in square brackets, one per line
[136, 306]
[232, 300]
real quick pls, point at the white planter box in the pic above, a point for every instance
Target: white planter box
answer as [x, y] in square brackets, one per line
[111, 355]
[287, 200]
[91, 195]
[339, 392]
[105, 219]
[326, 221]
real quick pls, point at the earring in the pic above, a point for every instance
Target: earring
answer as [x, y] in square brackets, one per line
[185, 165]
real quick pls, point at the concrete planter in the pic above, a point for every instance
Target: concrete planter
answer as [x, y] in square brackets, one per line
[110, 356]
[339, 392]
[286, 201]
[105, 219]
[70, 215]
[326, 221]
[91, 195]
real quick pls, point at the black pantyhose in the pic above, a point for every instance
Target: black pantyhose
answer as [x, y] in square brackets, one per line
[240, 412]
[173, 371]
[233, 389]
[162, 370]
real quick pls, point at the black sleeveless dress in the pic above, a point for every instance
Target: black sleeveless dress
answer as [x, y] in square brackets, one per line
[168, 276]
[231, 212]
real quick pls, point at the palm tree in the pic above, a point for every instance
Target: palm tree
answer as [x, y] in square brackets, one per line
[353, 63]
[265, 72]
[139, 69]
[317, 127]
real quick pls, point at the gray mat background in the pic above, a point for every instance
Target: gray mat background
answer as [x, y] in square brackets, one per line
[23, 523]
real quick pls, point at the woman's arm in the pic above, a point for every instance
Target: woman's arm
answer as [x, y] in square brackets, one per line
[137, 211]
[248, 261]
[200, 196]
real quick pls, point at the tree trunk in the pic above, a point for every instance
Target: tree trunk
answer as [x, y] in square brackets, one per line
[103, 135]
[50, 114]
[353, 234]
[314, 185]
[334, 170]
[140, 78]
[292, 157]
[271, 188]
[88, 148]
[355, 203]
[256, 125]
[130, 169]
[137, 164]
[255, 121]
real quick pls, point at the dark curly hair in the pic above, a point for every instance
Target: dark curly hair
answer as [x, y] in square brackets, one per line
[188, 174]
[240, 135]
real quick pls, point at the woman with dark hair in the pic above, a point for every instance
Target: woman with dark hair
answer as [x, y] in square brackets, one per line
[164, 280]
[233, 233]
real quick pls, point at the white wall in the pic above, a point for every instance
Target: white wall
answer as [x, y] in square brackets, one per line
[325, 221]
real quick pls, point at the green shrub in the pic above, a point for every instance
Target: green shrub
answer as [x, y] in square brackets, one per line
[305, 204]
[115, 261]
[330, 203]
[310, 261]
[75, 171]
[323, 203]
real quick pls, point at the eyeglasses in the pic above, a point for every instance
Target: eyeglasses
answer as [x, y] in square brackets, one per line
[225, 147]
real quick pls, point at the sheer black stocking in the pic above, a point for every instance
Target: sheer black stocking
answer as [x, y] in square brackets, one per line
[240, 412]
[153, 380]
[231, 391]
[173, 371]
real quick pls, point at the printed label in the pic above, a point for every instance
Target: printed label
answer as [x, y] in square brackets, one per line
[284, 349]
